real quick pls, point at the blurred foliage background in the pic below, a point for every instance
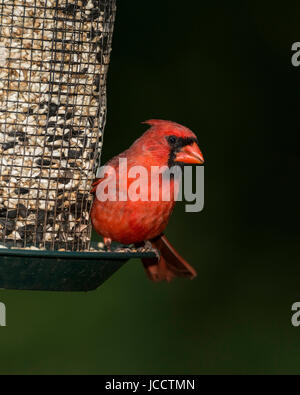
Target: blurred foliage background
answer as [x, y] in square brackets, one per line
[224, 70]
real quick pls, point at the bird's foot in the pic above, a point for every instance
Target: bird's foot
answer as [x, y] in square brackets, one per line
[148, 246]
[107, 242]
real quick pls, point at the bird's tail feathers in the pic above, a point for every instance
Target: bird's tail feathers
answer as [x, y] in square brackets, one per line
[169, 264]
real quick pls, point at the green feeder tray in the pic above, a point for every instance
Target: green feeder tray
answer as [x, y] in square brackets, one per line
[59, 270]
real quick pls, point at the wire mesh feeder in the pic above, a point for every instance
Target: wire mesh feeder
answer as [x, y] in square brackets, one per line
[54, 56]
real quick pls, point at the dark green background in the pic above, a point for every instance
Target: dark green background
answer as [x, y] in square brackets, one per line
[224, 70]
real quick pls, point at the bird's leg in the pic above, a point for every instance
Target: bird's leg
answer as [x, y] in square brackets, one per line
[107, 242]
[149, 246]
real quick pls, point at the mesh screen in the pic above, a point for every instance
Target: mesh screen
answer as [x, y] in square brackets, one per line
[54, 56]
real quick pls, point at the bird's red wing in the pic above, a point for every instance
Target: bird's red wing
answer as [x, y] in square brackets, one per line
[169, 265]
[95, 183]
[112, 166]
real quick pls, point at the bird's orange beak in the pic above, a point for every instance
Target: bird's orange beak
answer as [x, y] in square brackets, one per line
[190, 154]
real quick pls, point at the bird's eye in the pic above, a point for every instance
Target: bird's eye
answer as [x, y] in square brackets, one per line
[172, 140]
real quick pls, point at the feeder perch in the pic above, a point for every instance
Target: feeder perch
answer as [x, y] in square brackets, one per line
[54, 57]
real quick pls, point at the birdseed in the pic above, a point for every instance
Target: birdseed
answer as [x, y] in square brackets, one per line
[54, 57]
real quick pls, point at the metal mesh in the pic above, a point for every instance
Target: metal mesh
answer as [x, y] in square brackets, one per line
[54, 56]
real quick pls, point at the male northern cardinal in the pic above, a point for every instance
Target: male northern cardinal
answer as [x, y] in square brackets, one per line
[166, 143]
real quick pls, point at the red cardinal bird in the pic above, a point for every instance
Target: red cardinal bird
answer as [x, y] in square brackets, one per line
[166, 143]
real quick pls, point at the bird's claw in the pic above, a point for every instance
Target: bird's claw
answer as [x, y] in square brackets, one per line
[107, 242]
[149, 247]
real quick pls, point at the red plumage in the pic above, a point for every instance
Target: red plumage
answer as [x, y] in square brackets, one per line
[129, 221]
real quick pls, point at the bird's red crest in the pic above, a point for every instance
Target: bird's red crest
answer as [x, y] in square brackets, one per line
[163, 123]
[169, 127]
[156, 122]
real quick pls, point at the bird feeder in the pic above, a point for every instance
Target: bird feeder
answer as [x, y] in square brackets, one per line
[54, 56]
